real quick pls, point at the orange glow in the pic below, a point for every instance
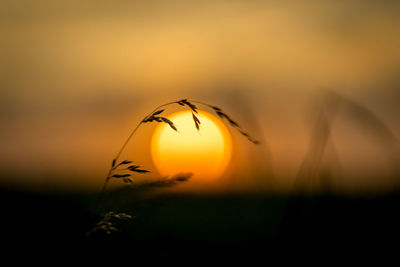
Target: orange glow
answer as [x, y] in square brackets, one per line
[205, 153]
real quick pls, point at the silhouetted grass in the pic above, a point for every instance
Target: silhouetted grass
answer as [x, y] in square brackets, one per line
[155, 116]
[123, 169]
[243, 219]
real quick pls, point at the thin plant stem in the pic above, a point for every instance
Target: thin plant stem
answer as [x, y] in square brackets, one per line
[113, 167]
[199, 102]
[148, 118]
[114, 164]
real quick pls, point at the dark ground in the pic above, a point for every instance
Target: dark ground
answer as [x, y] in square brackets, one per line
[170, 225]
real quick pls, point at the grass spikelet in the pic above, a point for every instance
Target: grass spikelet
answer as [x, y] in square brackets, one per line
[196, 122]
[117, 172]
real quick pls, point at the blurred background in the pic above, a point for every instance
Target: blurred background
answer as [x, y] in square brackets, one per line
[316, 81]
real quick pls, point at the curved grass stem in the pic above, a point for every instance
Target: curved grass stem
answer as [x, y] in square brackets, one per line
[183, 102]
[114, 162]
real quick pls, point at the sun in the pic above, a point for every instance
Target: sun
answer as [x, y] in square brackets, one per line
[205, 153]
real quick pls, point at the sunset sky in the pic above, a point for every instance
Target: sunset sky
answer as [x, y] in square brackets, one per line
[77, 76]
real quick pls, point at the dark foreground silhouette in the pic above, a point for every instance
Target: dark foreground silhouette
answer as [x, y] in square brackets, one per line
[181, 225]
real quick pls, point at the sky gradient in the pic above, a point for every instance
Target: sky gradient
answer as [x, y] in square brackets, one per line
[77, 76]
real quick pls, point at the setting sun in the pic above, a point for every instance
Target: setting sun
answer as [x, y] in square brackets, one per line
[205, 153]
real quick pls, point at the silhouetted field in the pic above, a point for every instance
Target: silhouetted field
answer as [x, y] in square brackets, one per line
[170, 225]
